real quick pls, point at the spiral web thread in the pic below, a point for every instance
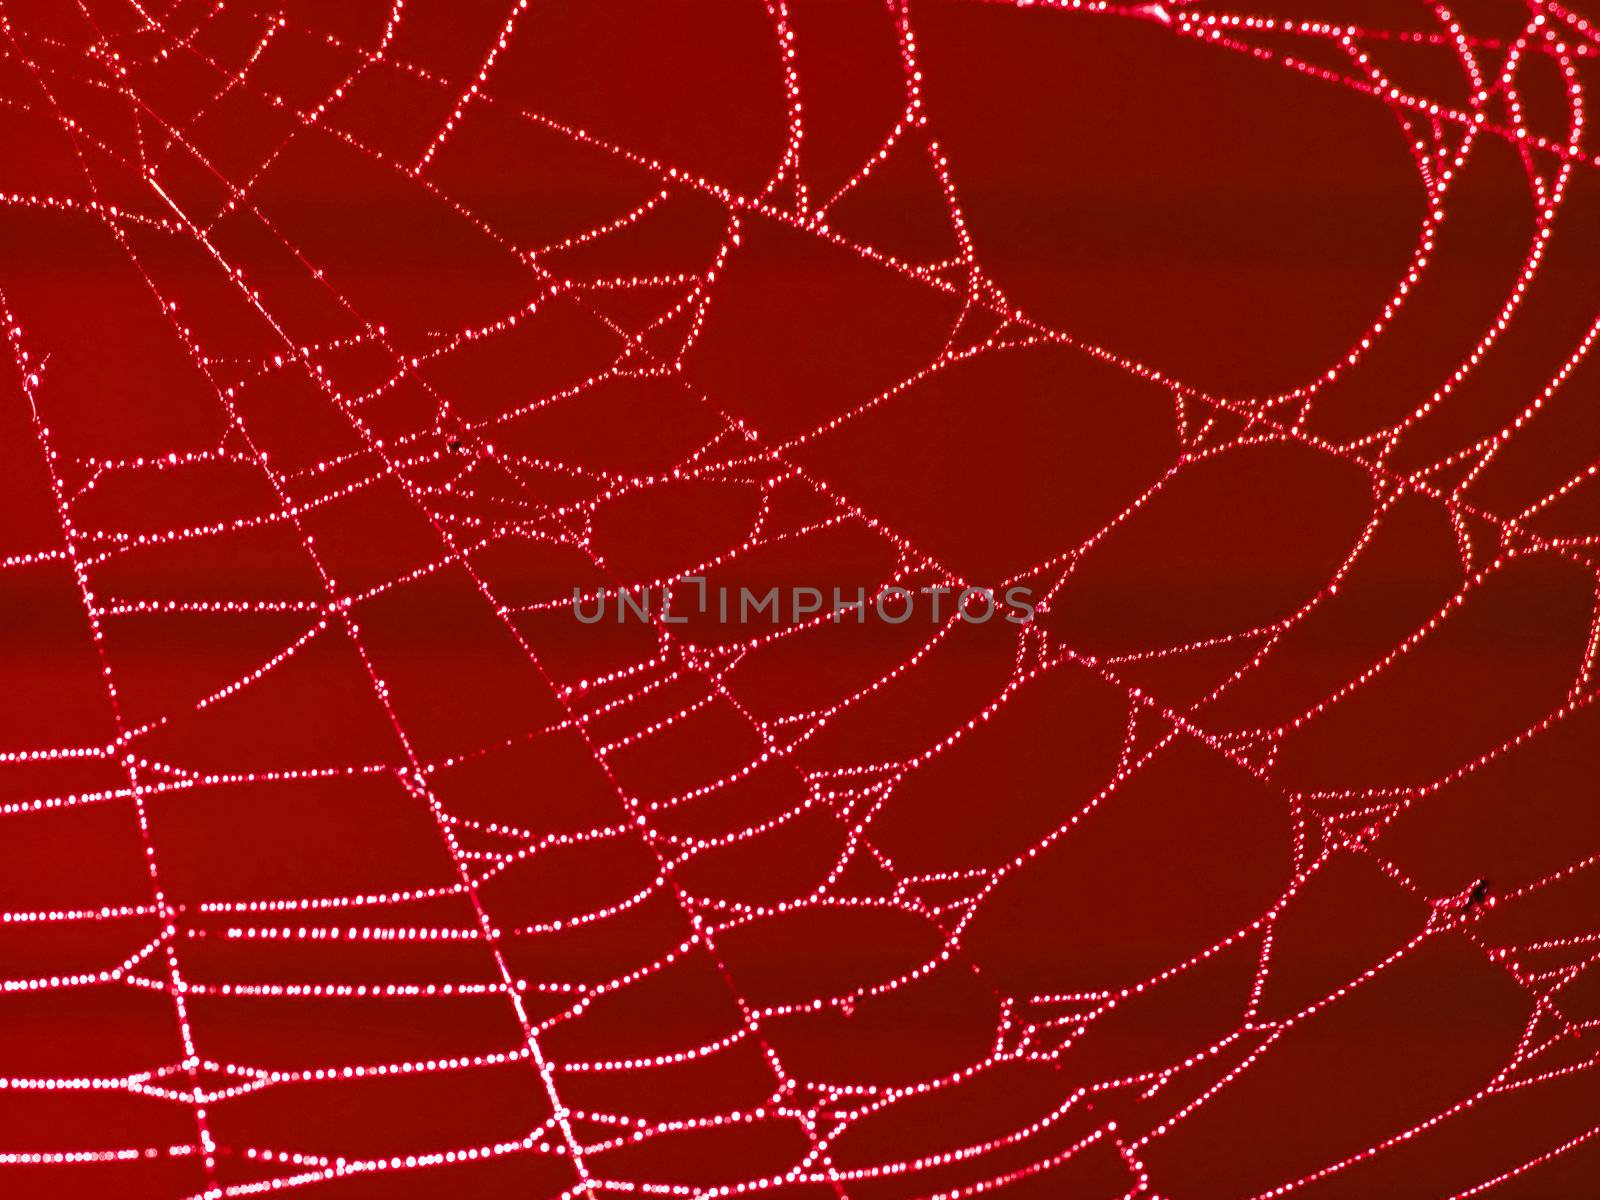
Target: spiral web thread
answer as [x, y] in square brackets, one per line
[734, 859]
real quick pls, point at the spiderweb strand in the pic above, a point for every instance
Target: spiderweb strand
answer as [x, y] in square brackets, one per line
[347, 341]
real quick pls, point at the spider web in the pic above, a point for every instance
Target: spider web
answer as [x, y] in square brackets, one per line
[350, 340]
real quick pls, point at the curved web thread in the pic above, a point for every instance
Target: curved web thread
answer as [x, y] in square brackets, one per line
[346, 347]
